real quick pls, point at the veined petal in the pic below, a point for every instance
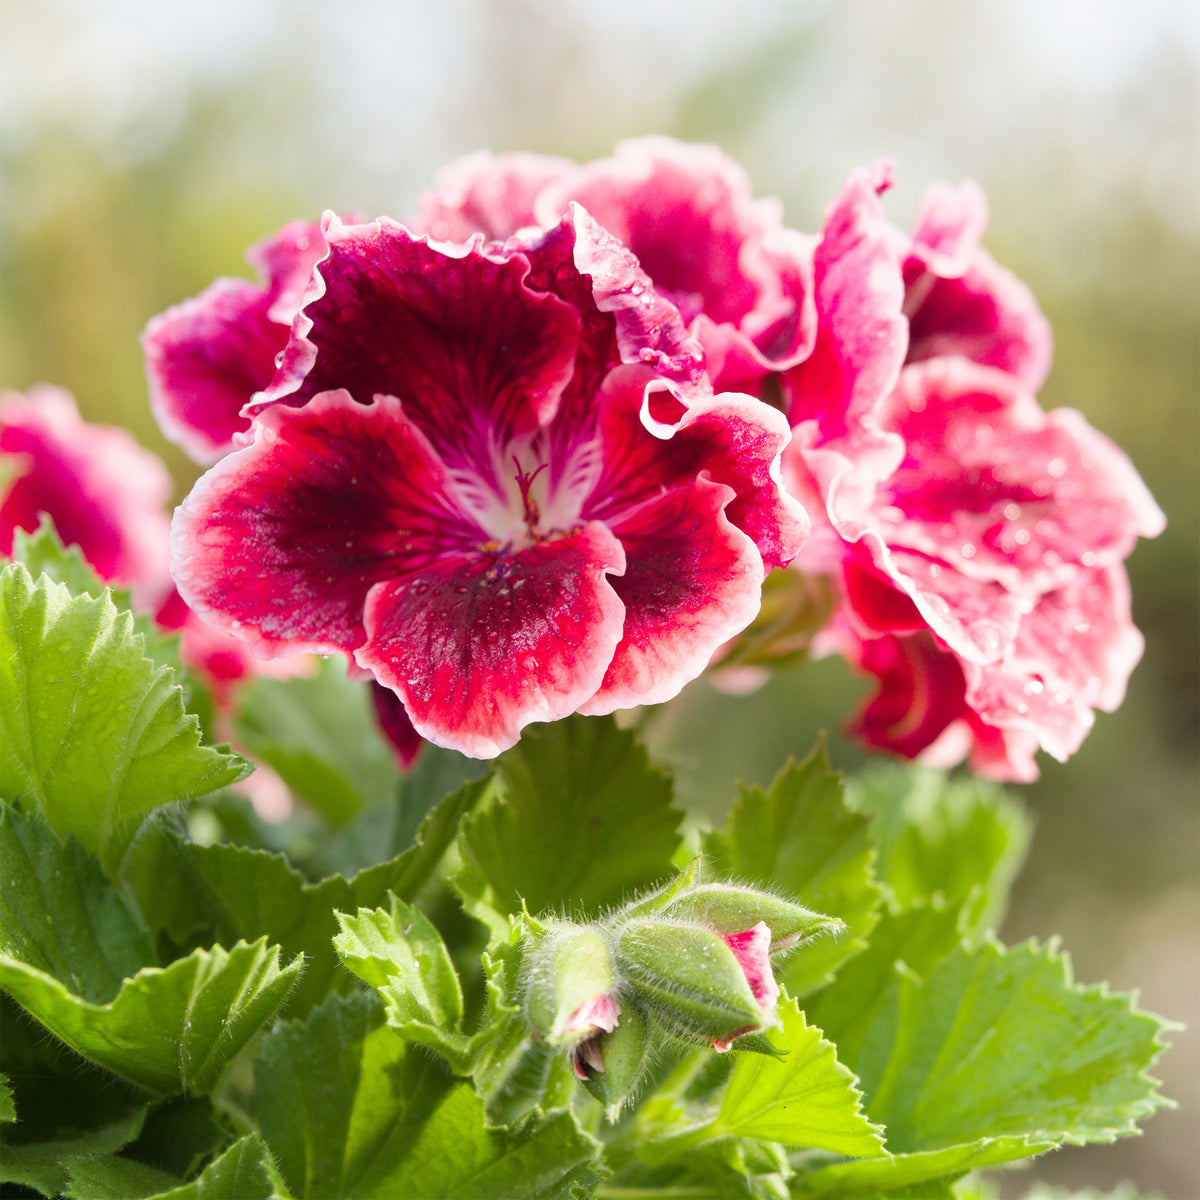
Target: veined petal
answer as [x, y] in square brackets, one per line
[479, 645]
[281, 541]
[733, 439]
[205, 358]
[476, 356]
[834, 394]
[692, 581]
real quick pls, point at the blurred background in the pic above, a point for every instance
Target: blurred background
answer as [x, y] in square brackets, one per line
[147, 143]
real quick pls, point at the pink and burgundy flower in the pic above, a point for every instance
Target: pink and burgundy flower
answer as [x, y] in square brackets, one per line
[983, 584]
[105, 493]
[206, 357]
[741, 280]
[461, 477]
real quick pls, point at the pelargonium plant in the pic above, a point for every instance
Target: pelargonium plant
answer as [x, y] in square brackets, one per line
[476, 482]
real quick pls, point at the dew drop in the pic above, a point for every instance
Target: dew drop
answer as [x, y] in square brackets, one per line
[967, 551]
[1012, 511]
[1021, 537]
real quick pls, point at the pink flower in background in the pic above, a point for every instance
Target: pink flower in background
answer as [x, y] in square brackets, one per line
[105, 493]
[959, 300]
[461, 477]
[740, 279]
[206, 357]
[108, 496]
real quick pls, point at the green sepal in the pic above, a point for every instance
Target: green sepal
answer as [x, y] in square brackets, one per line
[689, 978]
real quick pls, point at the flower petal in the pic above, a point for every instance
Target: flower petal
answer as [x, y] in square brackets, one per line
[205, 358]
[692, 581]
[752, 949]
[478, 646]
[960, 301]
[104, 492]
[489, 194]
[475, 355]
[281, 541]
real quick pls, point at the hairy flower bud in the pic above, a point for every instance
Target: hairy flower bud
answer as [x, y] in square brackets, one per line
[730, 909]
[570, 984]
[699, 983]
[613, 1065]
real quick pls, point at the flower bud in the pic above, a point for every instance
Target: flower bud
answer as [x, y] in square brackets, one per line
[700, 983]
[570, 984]
[613, 1065]
[732, 909]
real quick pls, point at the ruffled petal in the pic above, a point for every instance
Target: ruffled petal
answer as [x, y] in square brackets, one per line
[833, 396]
[960, 301]
[489, 194]
[1001, 490]
[691, 582]
[395, 724]
[205, 358]
[752, 949]
[478, 646]
[687, 213]
[476, 356]
[734, 440]
[282, 541]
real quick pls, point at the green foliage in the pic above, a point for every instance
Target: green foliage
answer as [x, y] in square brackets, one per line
[801, 836]
[995, 1056]
[168, 1029]
[923, 1052]
[319, 734]
[963, 839]
[581, 820]
[348, 1108]
[92, 733]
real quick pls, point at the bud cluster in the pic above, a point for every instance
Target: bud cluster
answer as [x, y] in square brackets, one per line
[691, 961]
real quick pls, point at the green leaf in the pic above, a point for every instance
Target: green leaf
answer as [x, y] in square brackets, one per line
[806, 1099]
[920, 937]
[8, 1106]
[398, 952]
[59, 913]
[245, 1170]
[168, 1029]
[43, 553]
[115, 1177]
[800, 836]
[90, 729]
[947, 836]
[242, 893]
[996, 1056]
[43, 1165]
[321, 736]
[349, 1108]
[582, 819]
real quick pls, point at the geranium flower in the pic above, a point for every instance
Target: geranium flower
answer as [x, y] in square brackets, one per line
[495, 478]
[105, 493]
[983, 582]
[740, 279]
[205, 358]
